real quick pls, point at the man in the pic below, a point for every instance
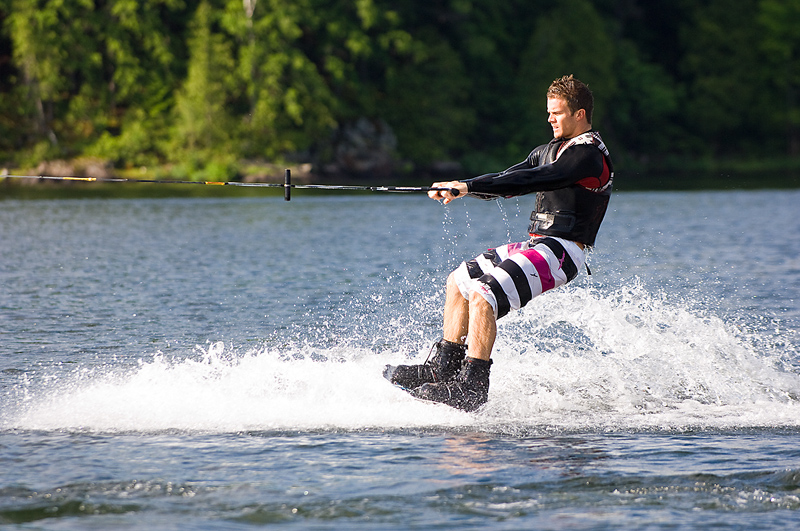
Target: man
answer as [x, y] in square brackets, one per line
[572, 176]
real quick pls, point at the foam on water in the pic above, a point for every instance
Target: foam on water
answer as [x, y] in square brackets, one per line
[579, 358]
[260, 390]
[631, 360]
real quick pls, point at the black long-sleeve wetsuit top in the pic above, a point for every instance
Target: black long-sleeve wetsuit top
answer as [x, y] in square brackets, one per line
[544, 170]
[572, 178]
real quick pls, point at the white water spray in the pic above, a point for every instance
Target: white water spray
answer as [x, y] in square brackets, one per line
[577, 359]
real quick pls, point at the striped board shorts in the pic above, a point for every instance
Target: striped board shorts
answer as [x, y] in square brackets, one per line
[509, 276]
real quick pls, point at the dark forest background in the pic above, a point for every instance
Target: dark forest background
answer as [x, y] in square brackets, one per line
[225, 89]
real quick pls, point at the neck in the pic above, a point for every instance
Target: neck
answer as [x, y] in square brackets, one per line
[581, 131]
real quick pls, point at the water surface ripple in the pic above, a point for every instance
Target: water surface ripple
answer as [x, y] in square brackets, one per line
[215, 364]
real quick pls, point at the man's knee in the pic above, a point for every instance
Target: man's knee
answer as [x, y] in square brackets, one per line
[452, 284]
[477, 303]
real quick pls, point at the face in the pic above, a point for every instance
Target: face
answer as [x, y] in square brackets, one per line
[565, 124]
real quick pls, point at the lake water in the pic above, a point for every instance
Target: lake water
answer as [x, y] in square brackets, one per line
[215, 364]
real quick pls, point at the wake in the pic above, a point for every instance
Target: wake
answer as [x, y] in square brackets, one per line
[575, 360]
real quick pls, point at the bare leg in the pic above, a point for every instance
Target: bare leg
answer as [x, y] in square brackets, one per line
[456, 314]
[469, 390]
[482, 327]
[447, 363]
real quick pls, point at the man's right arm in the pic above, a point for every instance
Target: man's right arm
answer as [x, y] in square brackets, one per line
[576, 163]
[533, 160]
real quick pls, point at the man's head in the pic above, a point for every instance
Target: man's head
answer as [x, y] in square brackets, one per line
[569, 105]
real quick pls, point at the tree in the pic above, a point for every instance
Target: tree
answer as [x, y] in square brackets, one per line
[572, 38]
[140, 82]
[643, 115]
[139, 67]
[489, 38]
[288, 102]
[204, 127]
[426, 100]
[779, 21]
[38, 54]
[722, 65]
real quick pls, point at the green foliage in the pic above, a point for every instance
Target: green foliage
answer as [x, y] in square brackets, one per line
[204, 127]
[570, 39]
[780, 46]
[202, 85]
[39, 56]
[721, 64]
[648, 122]
[136, 145]
[428, 99]
[289, 104]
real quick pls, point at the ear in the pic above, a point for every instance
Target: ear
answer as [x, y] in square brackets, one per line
[580, 114]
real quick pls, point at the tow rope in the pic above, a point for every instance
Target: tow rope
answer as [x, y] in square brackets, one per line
[287, 184]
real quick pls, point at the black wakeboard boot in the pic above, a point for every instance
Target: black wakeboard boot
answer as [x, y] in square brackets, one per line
[469, 390]
[444, 366]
